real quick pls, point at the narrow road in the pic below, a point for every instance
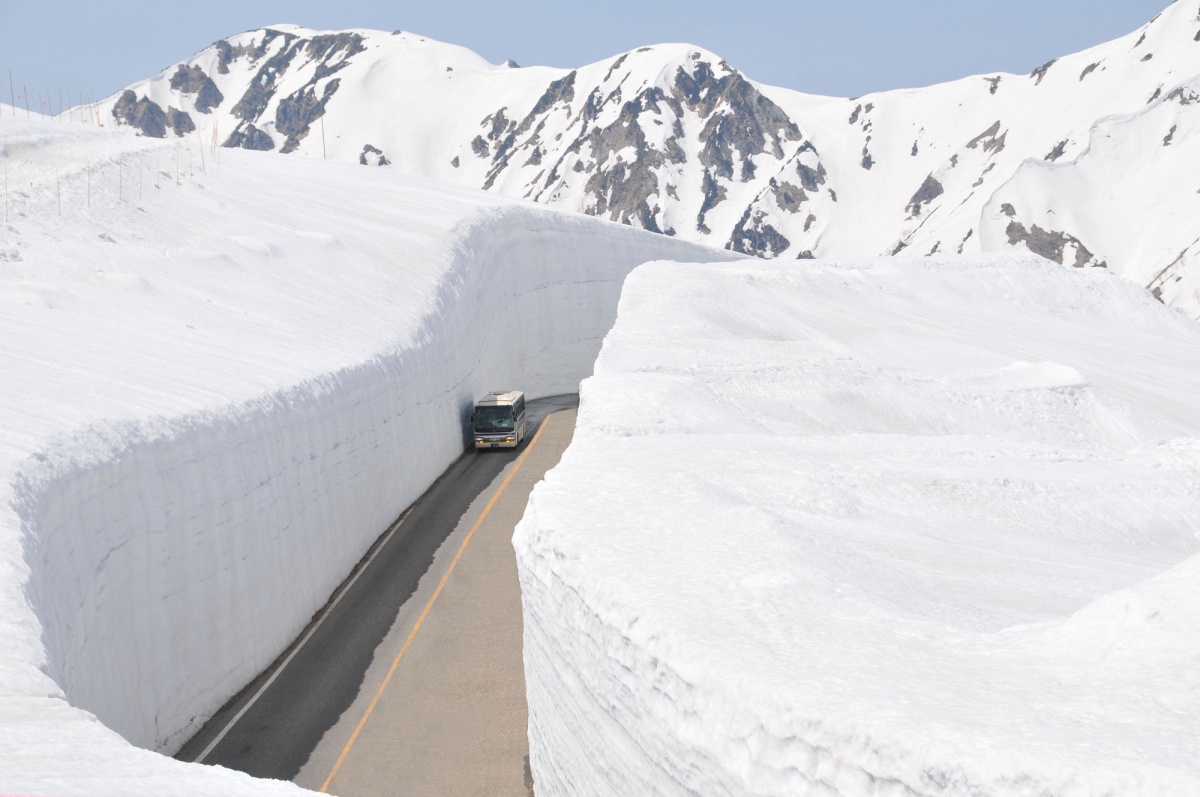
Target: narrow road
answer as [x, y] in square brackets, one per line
[411, 681]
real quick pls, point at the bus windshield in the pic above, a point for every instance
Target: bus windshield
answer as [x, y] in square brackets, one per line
[494, 419]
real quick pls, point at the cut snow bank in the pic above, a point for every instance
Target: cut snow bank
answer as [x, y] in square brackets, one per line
[216, 396]
[895, 527]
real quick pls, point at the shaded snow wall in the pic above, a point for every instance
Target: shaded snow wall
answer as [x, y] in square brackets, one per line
[179, 558]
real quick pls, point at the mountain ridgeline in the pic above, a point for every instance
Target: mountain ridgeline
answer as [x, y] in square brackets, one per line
[1092, 160]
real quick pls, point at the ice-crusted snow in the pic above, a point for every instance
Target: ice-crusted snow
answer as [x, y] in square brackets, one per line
[890, 527]
[220, 385]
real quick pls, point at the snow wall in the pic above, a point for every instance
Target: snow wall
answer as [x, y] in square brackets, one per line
[171, 561]
[907, 527]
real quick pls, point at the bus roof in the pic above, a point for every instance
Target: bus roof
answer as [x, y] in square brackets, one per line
[500, 397]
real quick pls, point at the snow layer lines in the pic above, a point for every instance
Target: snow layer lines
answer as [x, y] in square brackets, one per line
[222, 381]
[893, 527]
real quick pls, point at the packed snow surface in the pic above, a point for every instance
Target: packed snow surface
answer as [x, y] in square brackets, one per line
[892, 527]
[222, 380]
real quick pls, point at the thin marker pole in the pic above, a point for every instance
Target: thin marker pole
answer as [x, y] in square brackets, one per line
[323, 156]
[12, 93]
[25, 91]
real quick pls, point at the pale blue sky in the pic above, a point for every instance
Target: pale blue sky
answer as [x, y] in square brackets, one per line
[840, 47]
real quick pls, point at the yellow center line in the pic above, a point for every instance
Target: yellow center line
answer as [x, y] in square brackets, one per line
[428, 606]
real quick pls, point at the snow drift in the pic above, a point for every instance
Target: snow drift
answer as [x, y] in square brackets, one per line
[221, 385]
[907, 526]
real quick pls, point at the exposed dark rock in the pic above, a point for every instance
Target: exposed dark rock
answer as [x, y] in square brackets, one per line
[808, 223]
[1050, 244]
[247, 136]
[1087, 70]
[1157, 93]
[180, 121]
[143, 114]
[323, 48]
[1197, 37]
[192, 80]
[227, 53]
[561, 90]
[983, 174]
[854, 115]
[937, 246]
[616, 65]
[621, 193]
[1008, 210]
[812, 179]
[993, 83]
[578, 167]
[788, 196]
[1170, 136]
[833, 195]
[671, 192]
[953, 160]
[297, 112]
[752, 236]
[1184, 96]
[714, 193]
[914, 150]
[1141, 39]
[148, 116]
[673, 151]
[989, 140]
[1059, 149]
[480, 147]
[900, 247]
[500, 125]
[1147, 56]
[966, 238]
[511, 64]
[454, 162]
[262, 88]
[739, 118]
[535, 158]
[867, 160]
[806, 254]
[930, 190]
[1041, 71]
[373, 156]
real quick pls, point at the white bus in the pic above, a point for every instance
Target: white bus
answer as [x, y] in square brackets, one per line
[499, 420]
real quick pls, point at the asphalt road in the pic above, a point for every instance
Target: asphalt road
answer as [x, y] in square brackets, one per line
[274, 726]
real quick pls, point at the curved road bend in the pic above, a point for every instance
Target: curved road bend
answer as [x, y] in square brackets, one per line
[397, 699]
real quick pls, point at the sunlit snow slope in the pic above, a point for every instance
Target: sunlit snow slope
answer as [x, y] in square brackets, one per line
[220, 385]
[910, 526]
[1090, 160]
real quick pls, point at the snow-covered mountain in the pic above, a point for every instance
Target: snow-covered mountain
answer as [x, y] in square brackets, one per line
[1082, 161]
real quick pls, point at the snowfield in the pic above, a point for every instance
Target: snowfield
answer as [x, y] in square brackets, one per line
[220, 385]
[1090, 160]
[881, 527]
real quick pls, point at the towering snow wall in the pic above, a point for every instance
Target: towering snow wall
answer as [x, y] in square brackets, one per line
[217, 400]
[906, 527]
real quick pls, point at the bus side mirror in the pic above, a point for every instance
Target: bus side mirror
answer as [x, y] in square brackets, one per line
[472, 417]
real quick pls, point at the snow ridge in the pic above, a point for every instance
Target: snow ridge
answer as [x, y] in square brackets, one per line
[920, 526]
[259, 374]
[673, 139]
